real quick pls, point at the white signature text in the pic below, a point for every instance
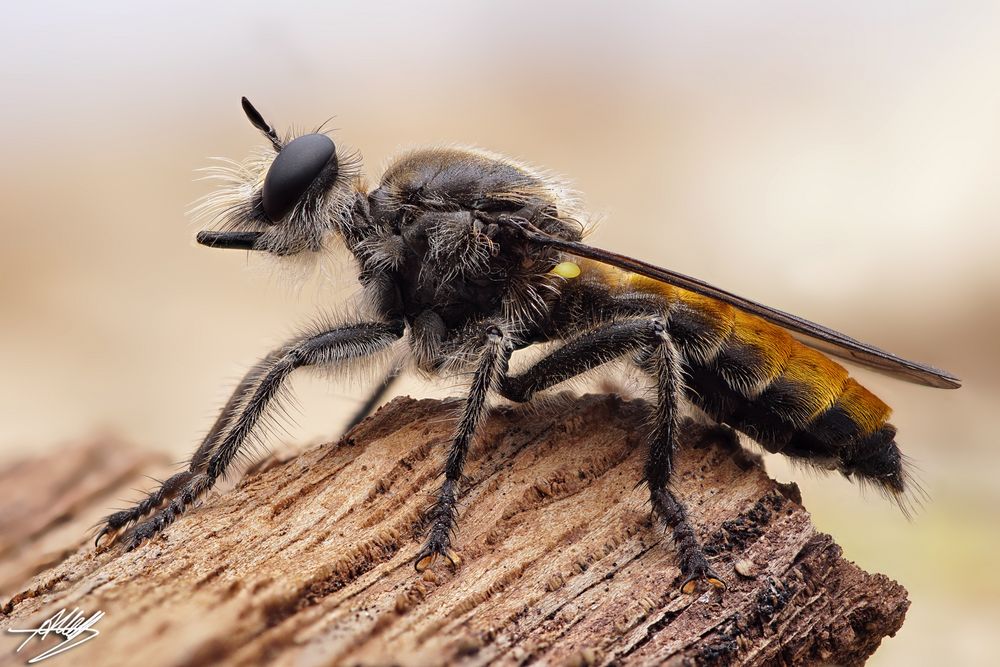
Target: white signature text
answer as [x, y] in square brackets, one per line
[73, 627]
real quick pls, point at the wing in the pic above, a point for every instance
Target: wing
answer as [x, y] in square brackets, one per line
[815, 335]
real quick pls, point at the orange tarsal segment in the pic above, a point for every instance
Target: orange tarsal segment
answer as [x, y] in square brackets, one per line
[865, 408]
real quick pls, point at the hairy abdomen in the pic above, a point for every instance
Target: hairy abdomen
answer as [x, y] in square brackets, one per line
[790, 398]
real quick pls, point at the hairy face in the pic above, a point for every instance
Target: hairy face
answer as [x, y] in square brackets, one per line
[286, 198]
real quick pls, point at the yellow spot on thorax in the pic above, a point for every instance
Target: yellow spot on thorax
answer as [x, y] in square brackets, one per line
[566, 270]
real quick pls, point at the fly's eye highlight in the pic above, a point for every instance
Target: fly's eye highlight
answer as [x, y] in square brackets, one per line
[295, 168]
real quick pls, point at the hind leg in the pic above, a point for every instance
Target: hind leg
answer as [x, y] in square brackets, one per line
[647, 340]
[664, 364]
[374, 398]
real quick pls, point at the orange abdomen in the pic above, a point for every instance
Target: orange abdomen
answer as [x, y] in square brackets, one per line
[752, 375]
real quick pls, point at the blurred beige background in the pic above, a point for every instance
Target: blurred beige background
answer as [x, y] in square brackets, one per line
[838, 160]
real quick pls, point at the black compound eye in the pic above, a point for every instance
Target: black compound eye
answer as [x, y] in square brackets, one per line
[293, 171]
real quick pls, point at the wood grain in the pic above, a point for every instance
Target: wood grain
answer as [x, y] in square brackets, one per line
[308, 561]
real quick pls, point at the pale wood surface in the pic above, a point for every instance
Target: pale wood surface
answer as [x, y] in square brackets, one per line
[308, 561]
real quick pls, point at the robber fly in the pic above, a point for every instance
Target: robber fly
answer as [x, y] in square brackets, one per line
[467, 257]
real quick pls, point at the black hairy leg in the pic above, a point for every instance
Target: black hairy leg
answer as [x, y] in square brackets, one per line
[492, 366]
[114, 523]
[664, 362]
[374, 398]
[649, 343]
[241, 414]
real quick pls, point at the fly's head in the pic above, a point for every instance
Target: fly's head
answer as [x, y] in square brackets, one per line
[290, 197]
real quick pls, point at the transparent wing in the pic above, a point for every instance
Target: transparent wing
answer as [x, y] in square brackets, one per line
[815, 335]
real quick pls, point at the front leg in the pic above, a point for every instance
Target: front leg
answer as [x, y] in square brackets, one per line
[240, 419]
[492, 366]
[119, 521]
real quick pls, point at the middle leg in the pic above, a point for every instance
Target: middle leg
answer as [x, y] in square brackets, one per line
[492, 366]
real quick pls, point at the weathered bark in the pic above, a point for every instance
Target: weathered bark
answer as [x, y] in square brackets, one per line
[309, 560]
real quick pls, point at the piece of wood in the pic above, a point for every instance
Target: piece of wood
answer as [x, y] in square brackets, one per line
[49, 503]
[309, 560]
